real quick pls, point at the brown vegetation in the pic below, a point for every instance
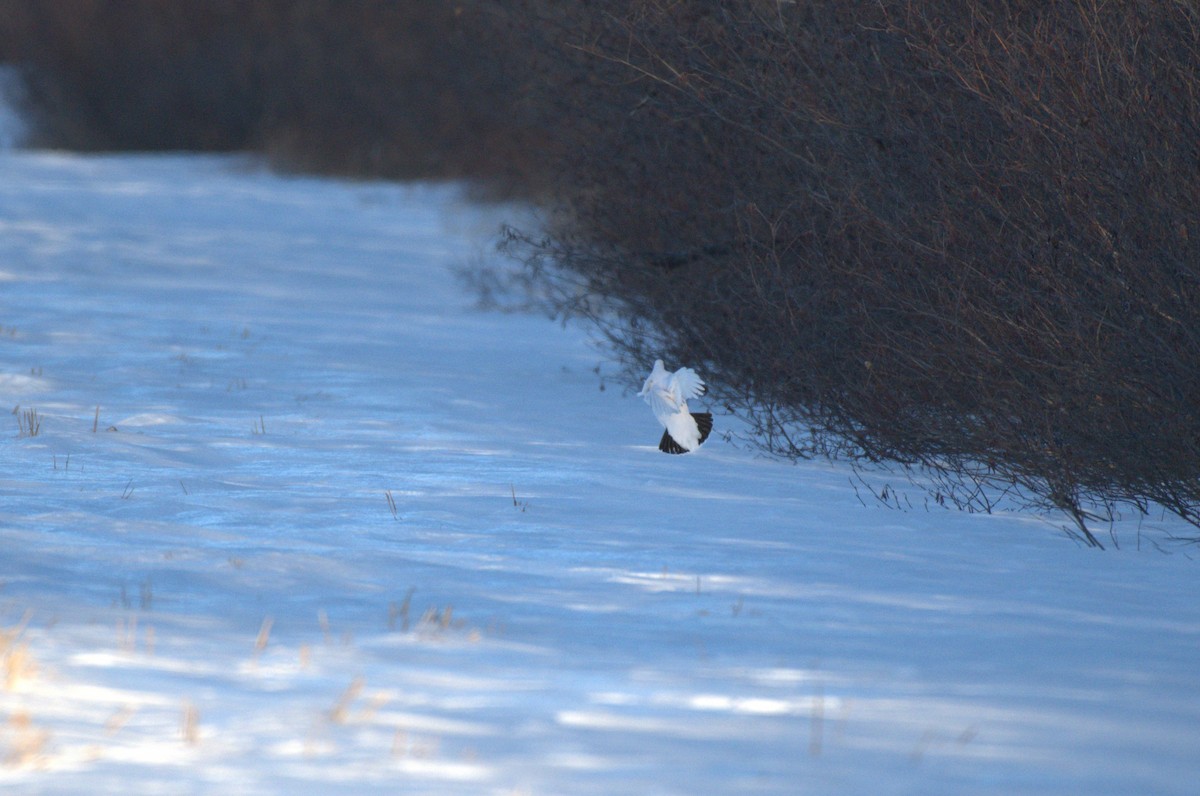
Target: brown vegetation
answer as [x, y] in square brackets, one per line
[953, 235]
[368, 88]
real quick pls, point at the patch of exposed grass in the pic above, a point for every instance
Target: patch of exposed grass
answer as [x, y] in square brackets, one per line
[28, 422]
[16, 664]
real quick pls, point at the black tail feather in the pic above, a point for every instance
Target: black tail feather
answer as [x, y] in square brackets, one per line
[668, 444]
[704, 422]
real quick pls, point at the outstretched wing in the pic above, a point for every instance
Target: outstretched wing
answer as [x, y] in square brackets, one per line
[668, 393]
[663, 402]
[686, 384]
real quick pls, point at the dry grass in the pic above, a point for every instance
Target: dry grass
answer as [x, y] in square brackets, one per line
[25, 741]
[117, 721]
[27, 744]
[190, 724]
[398, 612]
[340, 711]
[264, 636]
[15, 660]
[28, 422]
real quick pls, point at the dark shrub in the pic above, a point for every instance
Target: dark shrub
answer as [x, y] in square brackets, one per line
[105, 74]
[369, 87]
[954, 235]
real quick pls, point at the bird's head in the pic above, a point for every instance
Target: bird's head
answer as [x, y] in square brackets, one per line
[658, 370]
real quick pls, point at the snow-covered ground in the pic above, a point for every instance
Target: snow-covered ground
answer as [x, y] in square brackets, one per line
[298, 518]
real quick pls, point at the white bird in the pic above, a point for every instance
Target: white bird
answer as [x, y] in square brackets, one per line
[668, 394]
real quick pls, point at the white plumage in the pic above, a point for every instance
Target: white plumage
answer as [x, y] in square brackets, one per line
[668, 394]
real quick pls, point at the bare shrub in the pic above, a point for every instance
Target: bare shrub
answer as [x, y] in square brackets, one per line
[101, 74]
[371, 87]
[952, 235]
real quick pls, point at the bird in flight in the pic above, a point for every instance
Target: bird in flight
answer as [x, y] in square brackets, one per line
[668, 394]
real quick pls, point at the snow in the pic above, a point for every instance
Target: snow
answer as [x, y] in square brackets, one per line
[300, 518]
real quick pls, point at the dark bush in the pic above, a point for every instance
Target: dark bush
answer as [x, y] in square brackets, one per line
[368, 87]
[953, 235]
[134, 75]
